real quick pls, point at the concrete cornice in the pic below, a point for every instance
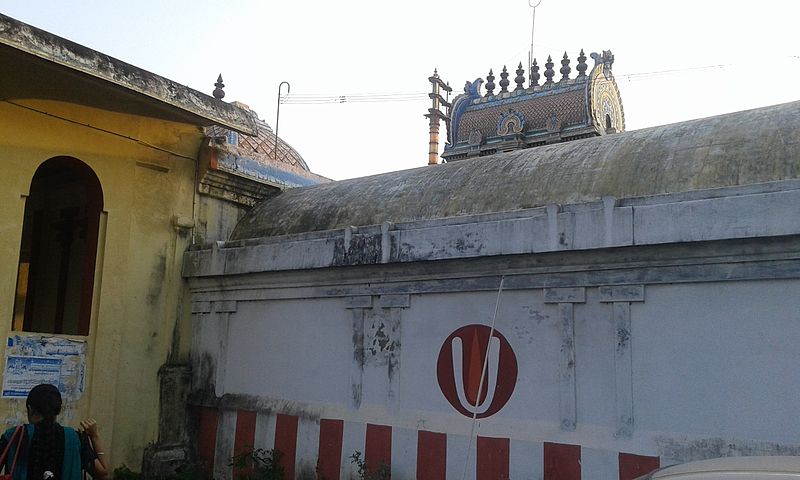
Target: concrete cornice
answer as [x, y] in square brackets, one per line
[753, 211]
[65, 53]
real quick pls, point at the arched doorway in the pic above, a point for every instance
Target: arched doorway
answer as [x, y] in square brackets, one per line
[55, 279]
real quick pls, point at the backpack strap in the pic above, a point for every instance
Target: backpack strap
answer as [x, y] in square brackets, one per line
[17, 435]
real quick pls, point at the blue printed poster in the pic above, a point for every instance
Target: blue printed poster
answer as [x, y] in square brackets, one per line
[34, 359]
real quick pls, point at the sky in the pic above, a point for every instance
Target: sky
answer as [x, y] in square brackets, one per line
[674, 60]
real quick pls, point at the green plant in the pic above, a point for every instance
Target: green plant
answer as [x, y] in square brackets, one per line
[383, 472]
[258, 464]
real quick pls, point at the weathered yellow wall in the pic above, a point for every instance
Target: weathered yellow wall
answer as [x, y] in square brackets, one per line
[216, 218]
[138, 288]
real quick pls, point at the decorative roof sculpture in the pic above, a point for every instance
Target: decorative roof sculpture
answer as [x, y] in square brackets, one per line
[558, 110]
[261, 146]
[247, 169]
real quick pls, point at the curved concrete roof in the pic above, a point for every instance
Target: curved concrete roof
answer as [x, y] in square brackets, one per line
[753, 146]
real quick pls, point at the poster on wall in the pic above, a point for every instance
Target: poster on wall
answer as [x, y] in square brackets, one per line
[35, 359]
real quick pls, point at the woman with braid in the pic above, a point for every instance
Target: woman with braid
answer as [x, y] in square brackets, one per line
[48, 450]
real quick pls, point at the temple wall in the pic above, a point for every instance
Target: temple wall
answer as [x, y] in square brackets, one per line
[630, 333]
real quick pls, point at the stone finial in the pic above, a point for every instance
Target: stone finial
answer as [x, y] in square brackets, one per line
[581, 67]
[606, 59]
[565, 68]
[535, 74]
[219, 93]
[490, 84]
[548, 71]
[504, 80]
[520, 78]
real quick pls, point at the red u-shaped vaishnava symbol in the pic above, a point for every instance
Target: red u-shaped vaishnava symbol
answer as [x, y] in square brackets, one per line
[459, 367]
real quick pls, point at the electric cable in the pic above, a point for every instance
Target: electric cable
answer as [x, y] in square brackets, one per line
[361, 97]
[483, 377]
[92, 127]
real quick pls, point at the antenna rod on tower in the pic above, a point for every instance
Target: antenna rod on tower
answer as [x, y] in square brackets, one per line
[530, 52]
[278, 115]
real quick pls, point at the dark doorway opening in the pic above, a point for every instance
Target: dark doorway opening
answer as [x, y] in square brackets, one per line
[55, 279]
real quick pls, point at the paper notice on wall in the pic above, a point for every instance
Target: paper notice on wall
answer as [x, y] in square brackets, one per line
[35, 359]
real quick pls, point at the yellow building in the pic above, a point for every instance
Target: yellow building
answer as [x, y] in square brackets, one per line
[109, 176]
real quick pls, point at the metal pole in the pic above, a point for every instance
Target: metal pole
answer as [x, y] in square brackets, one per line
[530, 54]
[483, 376]
[278, 116]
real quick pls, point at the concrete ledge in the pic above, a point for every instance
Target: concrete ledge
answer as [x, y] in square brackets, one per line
[77, 58]
[768, 212]
[565, 295]
[756, 215]
[364, 301]
[225, 306]
[622, 293]
[201, 307]
[394, 301]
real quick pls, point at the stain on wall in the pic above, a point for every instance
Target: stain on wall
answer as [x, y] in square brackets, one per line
[382, 338]
[524, 331]
[156, 283]
[359, 250]
[203, 375]
[357, 373]
[376, 346]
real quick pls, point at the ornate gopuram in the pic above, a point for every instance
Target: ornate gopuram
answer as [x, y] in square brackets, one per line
[558, 109]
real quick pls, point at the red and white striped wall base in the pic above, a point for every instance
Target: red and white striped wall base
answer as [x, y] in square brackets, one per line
[322, 449]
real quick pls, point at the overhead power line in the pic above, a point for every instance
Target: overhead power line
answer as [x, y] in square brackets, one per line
[356, 98]
[658, 73]
[314, 99]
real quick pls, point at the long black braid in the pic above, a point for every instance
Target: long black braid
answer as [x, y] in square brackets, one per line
[47, 445]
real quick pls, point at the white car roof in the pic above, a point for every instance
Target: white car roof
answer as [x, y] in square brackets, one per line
[773, 467]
